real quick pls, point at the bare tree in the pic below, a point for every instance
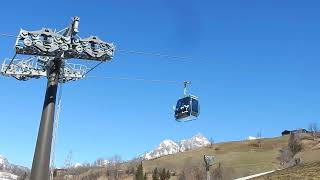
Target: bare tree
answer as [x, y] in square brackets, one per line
[313, 128]
[198, 173]
[211, 142]
[68, 162]
[115, 162]
[182, 176]
[130, 167]
[193, 173]
[294, 143]
[100, 162]
[259, 139]
[217, 173]
[286, 156]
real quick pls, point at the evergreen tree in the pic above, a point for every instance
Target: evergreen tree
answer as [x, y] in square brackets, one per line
[294, 144]
[155, 174]
[163, 175]
[139, 172]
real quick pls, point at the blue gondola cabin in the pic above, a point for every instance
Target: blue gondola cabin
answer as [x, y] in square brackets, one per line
[187, 108]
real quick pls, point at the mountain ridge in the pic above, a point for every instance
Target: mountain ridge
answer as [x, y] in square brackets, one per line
[7, 168]
[167, 146]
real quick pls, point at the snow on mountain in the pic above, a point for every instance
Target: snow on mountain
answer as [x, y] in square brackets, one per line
[168, 146]
[102, 162]
[165, 147]
[7, 176]
[195, 142]
[2, 159]
[105, 162]
[77, 165]
[10, 171]
[3, 162]
[252, 138]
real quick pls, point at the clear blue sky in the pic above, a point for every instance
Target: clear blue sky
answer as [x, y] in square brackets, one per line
[262, 75]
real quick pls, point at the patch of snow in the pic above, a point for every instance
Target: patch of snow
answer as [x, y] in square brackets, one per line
[105, 162]
[7, 176]
[255, 175]
[252, 138]
[3, 160]
[77, 165]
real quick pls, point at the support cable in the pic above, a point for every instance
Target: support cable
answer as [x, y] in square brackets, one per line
[55, 131]
[92, 68]
[14, 56]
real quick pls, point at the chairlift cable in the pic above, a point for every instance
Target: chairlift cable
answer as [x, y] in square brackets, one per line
[135, 79]
[144, 53]
[179, 58]
[151, 53]
[8, 35]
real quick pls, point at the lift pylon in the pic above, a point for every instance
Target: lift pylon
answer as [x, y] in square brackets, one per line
[49, 51]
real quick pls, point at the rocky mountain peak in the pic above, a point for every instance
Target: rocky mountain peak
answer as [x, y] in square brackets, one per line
[168, 146]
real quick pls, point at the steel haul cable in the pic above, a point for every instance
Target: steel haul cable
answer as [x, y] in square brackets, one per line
[143, 53]
[136, 79]
[180, 58]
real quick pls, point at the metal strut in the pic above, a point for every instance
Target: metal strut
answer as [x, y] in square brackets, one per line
[14, 56]
[185, 83]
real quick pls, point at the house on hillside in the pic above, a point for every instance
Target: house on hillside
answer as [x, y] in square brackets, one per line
[59, 172]
[287, 132]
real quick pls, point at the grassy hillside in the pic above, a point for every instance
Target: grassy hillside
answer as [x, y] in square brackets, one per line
[308, 171]
[238, 159]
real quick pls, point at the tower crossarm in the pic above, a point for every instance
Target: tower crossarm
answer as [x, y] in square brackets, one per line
[44, 42]
[22, 69]
[47, 42]
[45, 45]
[91, 48]
[36, 67]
